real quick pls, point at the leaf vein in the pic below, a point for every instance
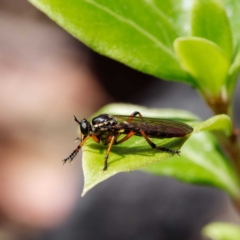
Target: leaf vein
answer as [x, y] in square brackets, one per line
[135, 26]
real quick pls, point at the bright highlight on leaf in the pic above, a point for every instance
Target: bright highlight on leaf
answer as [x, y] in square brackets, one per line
[138, 33]
[218, 122]
[135, 153]
[210, 21]
[205, 61]
[141, 33]
[221, 231]
[233, 73]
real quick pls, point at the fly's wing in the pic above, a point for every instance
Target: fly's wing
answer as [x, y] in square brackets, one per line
[153, 127]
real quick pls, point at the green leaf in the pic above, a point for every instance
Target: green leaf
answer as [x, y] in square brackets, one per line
[201, 162]
[218, 122]
[179, 13]
[205, 61]
[210, 21]
[133, 154]
[232, 9]
[233, 73]
[136, 153]
[221, 231]
[139, 34]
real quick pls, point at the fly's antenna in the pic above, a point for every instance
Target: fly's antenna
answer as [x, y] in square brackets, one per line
[76, 120]
[81, 138]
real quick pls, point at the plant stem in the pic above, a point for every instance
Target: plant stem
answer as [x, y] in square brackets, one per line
[221, 105]
[232, 148]
[230, 144]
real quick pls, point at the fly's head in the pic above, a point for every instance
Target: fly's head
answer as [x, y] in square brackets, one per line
[85, 127]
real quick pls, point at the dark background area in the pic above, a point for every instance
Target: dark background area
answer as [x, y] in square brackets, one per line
[47, 77]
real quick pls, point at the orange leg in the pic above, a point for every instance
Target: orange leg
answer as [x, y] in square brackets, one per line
[134, 114]
[111, 142]
[112, 139]
[153, 145]
[130, 134]
[75, 151]
[95, 138]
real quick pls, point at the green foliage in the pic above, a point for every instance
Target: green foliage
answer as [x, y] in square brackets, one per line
[222, 231]
[137, 33]
[233, 74]
[205, 61]
[141, 34]
[210, 21]
[192, 41]
[199, 163]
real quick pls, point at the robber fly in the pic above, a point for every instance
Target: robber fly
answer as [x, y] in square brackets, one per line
[108, 128]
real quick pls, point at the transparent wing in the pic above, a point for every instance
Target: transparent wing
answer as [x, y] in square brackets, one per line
[154, 127]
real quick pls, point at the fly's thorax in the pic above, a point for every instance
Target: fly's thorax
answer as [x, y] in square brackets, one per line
[102, 123]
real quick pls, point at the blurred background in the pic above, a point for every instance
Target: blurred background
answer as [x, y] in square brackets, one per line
[46, 77]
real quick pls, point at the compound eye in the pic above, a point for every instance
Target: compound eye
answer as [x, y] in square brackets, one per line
[84, 126]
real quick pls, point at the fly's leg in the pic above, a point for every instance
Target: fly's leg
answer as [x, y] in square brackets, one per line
[112, 139]
[153, 145]
[75, 151]
[134, 114]
[130, 134]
